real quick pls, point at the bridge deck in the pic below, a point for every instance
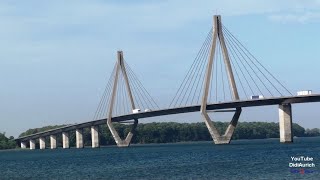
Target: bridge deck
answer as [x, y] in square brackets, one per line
[180, 110]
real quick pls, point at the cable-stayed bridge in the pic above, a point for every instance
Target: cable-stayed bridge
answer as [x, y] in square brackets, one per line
[224, 77]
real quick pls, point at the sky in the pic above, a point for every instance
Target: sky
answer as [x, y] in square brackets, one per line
[56, 56]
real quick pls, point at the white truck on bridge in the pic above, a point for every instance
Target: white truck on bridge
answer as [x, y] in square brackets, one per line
[304, 92]
[135, 111]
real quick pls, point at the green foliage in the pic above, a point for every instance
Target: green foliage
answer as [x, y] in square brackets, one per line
[37, 130]
[169, 132]
[6, 143]
[313, 132]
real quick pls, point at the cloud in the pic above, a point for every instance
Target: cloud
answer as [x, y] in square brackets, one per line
[144, 16]
[307, 17]
[49, 43]
[67, 26]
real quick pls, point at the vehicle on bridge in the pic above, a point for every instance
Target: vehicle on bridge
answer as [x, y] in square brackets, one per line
[256, 97]
[147, 110]
[304, 92]
[136, 111]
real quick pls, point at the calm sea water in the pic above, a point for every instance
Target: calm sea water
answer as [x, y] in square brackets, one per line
[242, 159]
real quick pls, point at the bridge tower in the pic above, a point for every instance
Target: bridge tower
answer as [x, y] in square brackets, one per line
[218, 36]
[121, 67]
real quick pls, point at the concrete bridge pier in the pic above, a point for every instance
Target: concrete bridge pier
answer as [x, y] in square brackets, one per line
[121, 67]
[53, 141]
[79, 138]
[95, 136]
[42, 142]
[218, 37]
[216, 136]
[32, 144]
[65, 140]
[285, 123]
[23, 145]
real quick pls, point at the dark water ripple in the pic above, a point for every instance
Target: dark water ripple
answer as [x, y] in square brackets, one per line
[242, 159]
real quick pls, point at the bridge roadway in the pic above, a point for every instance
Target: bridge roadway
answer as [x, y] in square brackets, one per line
[180, 110]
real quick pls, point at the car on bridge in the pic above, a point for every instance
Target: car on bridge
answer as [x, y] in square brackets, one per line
[135, 111]
[256, 97]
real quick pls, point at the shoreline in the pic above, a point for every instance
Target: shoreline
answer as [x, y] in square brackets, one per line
[169, 143]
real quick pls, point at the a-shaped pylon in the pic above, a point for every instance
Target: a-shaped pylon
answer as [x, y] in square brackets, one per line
[121, 67]
[218, 36]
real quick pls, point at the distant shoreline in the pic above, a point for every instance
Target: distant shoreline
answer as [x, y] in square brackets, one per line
[167, 132]
[181, 142]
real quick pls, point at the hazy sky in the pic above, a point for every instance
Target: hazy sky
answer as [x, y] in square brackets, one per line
[56, 56]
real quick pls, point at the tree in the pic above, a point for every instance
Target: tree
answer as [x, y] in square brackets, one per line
[312, 132]
[167, 132]
[7, 143]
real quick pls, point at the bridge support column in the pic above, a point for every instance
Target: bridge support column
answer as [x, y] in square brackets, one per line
[218, 36]
[32, 144]
[42, 142]
[285, 123]
[53, 141]
[95, 136]
[65, 140]
[226, 137]
[23, 145]
[121, 67]
[79, 138]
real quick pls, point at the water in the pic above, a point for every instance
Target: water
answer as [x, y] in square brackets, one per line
[242, 159]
